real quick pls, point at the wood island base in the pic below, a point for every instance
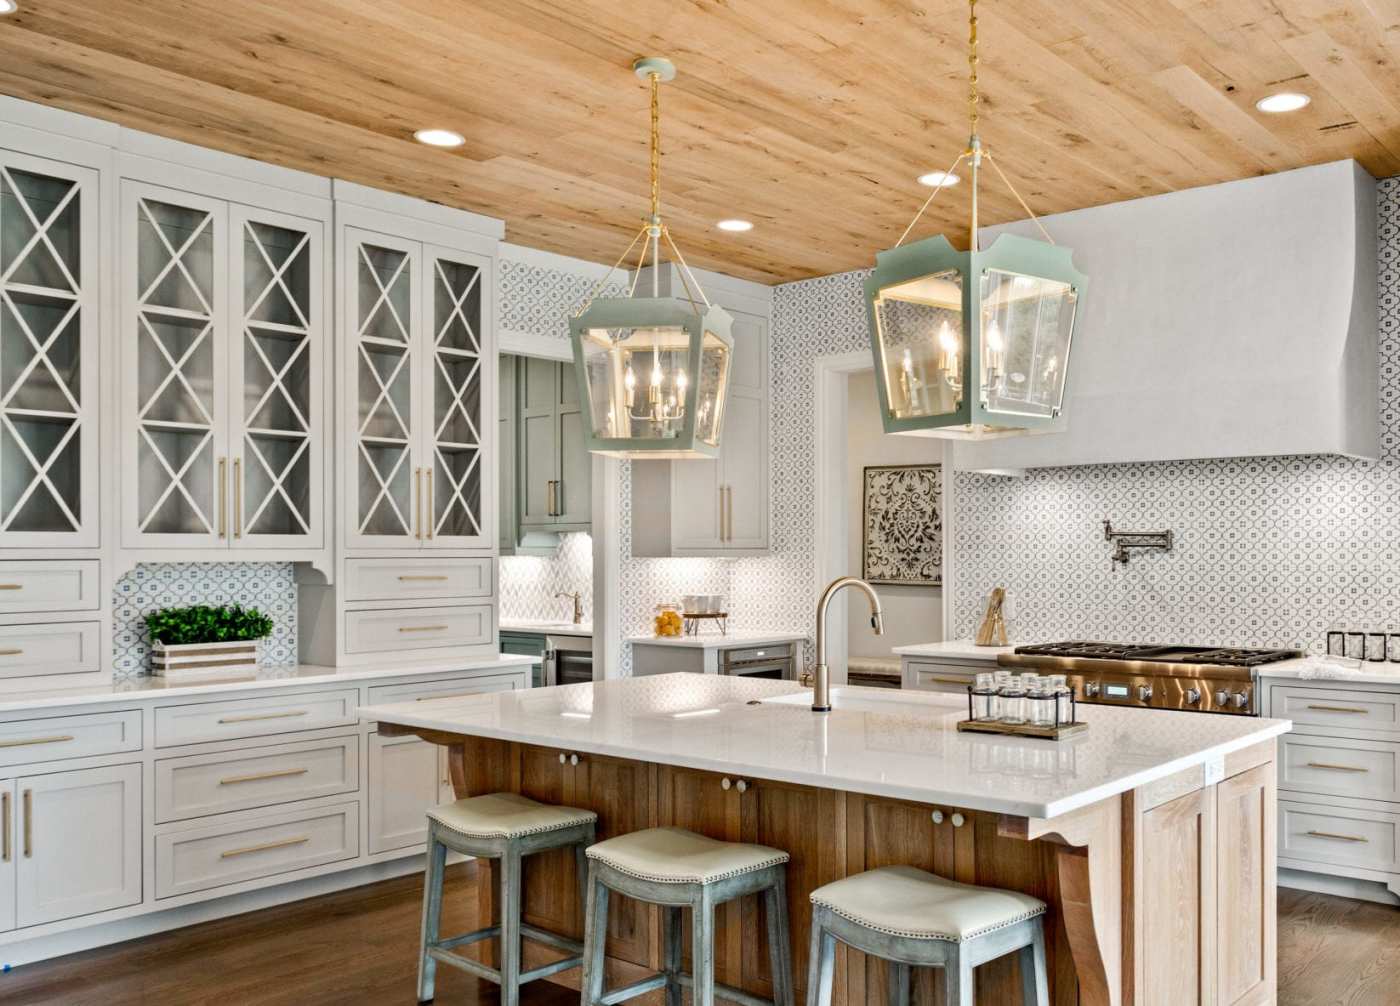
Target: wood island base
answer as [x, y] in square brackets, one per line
[1164, 895]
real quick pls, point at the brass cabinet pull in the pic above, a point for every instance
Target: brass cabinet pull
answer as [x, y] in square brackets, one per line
[454, 695]
[11, 586]
[28, 824]
[1336, 837]
[264, 716]
[729, 513]
[552, 492]
[418, 504]
[11, 653]
[265, 847]
[422, 628]
[408, 579]
[1336, 768]
[1337, 709]
[432, 517]
[238, 497]
[6, 850]
[234, 780]
[30, 741]
[223, 497]
[945, 681]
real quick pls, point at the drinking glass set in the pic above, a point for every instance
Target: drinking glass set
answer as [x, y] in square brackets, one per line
[1373, 645]
[1036, 700]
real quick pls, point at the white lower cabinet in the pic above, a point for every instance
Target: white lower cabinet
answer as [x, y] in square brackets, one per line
[76, 843]
[7, 855]
[406, 777]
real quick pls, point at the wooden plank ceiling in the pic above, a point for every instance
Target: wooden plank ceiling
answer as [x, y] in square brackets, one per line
[810, 117]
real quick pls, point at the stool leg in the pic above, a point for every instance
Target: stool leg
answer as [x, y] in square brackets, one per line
[702, 952]
[821, 963]
[1035, 983]
[898, 981]
[581, 873]
[671, 939]
[432, 914]
[510, 928]
[595, 939]
[958, 988]
[775, 907]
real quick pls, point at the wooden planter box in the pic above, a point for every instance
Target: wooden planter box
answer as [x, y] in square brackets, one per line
[199, 660]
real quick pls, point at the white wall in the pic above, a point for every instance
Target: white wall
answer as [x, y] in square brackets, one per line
[912, 614]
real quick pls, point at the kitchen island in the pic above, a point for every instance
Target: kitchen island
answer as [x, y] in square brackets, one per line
[1151, 835]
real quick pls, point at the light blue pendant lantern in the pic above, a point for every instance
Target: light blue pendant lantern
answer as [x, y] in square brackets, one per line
[972, 344]
[653, 370]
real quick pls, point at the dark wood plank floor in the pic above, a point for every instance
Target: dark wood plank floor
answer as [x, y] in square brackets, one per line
[359, 947]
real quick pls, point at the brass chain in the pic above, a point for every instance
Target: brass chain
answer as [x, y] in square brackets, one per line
[655, 146]
[972, 97]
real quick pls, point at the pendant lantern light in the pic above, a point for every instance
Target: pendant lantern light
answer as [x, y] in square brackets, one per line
[972, 344]
[653, 370]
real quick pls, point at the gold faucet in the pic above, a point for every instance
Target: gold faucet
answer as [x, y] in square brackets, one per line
[578, 604]
[821, 684]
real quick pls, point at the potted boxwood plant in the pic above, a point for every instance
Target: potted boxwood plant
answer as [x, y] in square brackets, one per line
[202, 639]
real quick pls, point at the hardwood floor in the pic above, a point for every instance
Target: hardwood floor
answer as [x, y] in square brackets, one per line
[358, 947]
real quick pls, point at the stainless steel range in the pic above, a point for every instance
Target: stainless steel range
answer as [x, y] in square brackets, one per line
[1205, 679]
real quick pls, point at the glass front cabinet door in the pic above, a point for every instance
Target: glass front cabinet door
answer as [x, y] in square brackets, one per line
[222, 374]
[49, 372]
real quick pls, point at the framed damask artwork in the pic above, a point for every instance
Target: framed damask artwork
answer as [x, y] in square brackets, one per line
[902, 525]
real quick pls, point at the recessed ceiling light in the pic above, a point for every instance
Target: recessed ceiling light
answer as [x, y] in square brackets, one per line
[939, 179]
[737, 226]
[8, 7]
[433, 137]
[1284, 101]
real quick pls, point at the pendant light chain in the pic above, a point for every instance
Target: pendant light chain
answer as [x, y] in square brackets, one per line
[972, 96]
[655, 149]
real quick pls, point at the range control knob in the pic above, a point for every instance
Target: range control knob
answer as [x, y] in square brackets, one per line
[1144, 693]
[1193, 696]
[1241, 699]
[1222, 698]
[1091, 689]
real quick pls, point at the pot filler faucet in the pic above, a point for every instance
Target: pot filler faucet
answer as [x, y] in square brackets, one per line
[821, 684]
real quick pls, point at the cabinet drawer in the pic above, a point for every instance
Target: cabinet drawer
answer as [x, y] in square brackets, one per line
[255, 717]
[266, 846]
[199, 785]
[1329, 707]
[49, 650]
[420, 691]
[406, 579]
[417, 628]
[776, 651]
[48, 586]
[932, 677]
[1337, 835]
[1331, 766]
[23, 742]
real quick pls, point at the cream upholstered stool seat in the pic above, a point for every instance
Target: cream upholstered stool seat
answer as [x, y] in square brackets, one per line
[507, 827]
[913, 918]
[676, 868]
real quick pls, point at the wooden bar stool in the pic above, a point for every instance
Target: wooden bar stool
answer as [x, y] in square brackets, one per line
[912, 918]
[507, 827]
[675, 868]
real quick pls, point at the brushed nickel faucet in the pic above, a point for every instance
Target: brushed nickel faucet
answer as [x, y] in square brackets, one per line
[578, 604]
[821, 684]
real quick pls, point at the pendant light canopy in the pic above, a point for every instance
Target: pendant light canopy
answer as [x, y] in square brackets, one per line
[972, 344]
[653, 370]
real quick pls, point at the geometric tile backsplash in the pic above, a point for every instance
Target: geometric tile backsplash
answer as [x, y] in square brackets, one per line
[268, 586]
[529, 583]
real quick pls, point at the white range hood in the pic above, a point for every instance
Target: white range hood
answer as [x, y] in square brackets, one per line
[1226, 321]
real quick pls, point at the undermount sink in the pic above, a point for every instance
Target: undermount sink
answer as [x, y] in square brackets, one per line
[864, 700]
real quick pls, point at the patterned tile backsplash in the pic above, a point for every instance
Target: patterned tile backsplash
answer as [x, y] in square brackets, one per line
[268, 586]
[529, 583]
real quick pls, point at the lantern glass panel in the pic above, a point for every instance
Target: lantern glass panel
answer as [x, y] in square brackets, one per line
[1026, 325]
[714, 382]
[920, 328]
[637, 381]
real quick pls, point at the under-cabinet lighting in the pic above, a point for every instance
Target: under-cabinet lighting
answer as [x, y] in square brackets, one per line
[432, 137]
[570, 714]
[1284, 101]
[691, 713]
[939, 179]
[735, 226]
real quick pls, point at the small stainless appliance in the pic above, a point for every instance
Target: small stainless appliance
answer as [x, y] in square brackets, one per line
[774, 661]
[1205, 679]
[568, 660]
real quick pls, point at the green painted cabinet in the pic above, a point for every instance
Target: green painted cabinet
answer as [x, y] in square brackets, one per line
[554, 485]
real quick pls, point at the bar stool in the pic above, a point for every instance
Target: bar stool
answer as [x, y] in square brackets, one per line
[675, 868]
[507, 827]
[909, 917]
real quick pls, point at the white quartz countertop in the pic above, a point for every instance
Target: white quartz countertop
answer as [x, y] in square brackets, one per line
[1303, 669]
[547, 628]
[718, 642]
[955, 649]
[285, 676]
[877, 741]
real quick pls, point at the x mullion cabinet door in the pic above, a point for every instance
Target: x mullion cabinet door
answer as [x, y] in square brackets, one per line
[174, 401]
[276, 361]
[49, 279]
[458, 368]
[381, 278]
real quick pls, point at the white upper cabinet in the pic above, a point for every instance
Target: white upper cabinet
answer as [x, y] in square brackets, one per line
[49, 296]
[223, 371]
[418, 344]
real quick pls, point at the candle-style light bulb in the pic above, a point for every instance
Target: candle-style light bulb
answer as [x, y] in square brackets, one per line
[656, 375]
[680, 382]
[947, 341]
[629, 381]
[995, 342]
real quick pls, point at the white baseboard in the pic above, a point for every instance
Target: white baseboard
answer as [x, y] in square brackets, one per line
[1342, 887]
[46, 947]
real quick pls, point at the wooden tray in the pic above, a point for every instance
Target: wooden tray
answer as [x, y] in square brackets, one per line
[1021, 729]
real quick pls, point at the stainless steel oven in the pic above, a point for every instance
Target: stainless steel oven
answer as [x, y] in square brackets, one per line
[774, 661]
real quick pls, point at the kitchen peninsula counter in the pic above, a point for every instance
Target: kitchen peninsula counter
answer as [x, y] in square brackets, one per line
[1144, 817]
